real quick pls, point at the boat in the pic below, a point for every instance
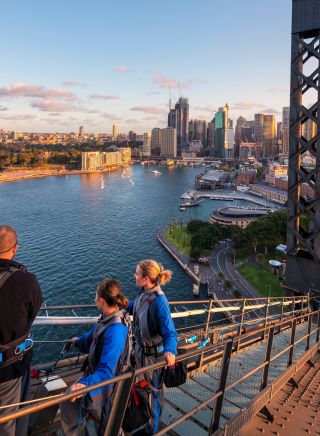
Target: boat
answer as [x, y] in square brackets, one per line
[156, 173]
[191, 203]
[196, 290]
[182, 208]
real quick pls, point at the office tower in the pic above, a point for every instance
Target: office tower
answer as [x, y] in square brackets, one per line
[264, 133]
[210, 136]
[309, 129]
[81, 131]
[155, 141]
[132, 135]
[114, 132]
[223, 133]
[178, 118]
[198, 131]
[146, 145]
[168, 144]
[237, 134]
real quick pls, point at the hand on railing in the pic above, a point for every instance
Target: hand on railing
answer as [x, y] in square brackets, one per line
[170, 358]
[75, 387]
[73, 341]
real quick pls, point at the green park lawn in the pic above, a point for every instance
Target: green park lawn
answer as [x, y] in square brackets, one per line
[180, 237]
[262, 280]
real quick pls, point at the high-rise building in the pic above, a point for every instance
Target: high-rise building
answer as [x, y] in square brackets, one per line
[285, 129]
[178, 118]
[210, 136]
[146, 145]
[132, 135]
[264, 133]
[115, 132]
[156, 141]
[198, 131]
[309, 129]
[96, 160]
[168, 144]
[223, 133]
[81, 131]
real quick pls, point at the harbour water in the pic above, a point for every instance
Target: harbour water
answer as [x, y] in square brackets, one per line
[73, 231]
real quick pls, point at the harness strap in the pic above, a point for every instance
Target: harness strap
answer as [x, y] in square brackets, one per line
[4, 275]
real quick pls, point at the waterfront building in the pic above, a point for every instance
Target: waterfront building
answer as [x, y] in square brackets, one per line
[146, 144]
[115, 132]
[156, 138]
[168, 145]
[269, 192]
[211, 180]
[97, 160]
[195, 146]
[246, 177]
[237, 216]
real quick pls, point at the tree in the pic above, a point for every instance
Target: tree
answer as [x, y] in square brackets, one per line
[195, 225]
[220, 275]
[261, 259]
[195, 252]
[227, 284]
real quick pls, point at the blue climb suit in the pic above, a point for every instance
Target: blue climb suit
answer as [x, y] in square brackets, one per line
[108, 346]
[154, 334]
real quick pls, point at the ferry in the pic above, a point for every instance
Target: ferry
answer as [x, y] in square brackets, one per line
[191, 203]
[156, 173]
[170, 162]
[182, 208]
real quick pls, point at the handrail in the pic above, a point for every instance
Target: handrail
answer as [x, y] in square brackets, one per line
[221, 346]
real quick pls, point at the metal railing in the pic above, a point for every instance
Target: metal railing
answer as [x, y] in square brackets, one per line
[224, 351]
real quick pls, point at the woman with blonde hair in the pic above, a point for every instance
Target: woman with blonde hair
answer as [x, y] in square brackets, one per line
[154, 333]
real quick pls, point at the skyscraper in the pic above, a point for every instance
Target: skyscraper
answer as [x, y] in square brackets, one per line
[115, 132]
[81, 131]
[223, 133]
[146, 147]
[285, 129]
[168, 144]
[198, 131]
[264, 133]
[155, 141]
[178, 118]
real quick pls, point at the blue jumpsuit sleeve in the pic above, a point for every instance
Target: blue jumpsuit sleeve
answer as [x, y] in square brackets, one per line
[84, 342]
[130, 307]
[168, 330]
[114, 340]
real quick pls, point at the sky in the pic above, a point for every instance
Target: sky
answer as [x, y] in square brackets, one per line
[67, 63]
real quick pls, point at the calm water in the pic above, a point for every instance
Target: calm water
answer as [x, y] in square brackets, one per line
[75, 230]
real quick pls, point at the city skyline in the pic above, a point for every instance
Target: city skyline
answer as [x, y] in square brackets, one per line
[77, 66]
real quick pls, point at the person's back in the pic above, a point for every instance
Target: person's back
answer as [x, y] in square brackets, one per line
[20, 302]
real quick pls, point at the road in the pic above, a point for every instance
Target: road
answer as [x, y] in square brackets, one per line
[219, 262]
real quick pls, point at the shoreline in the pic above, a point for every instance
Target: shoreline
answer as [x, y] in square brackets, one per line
[7, 178]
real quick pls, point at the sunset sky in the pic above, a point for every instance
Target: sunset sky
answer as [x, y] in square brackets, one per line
[66, 63]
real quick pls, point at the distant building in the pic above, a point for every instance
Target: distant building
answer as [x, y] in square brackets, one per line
[195, 146]
[309, 129]
[156, 138]
[237, 216]
[198, 131]
[168, 144]
[246, 150]
[97, 160]
[146, 146]
[81, 131]
[211, 180]
[178, 118]
[210, 136]
[275, 171]
[223, 134]
[246, 177]
[270, 193]
[264, 133]
[132, 135]
[115, 132]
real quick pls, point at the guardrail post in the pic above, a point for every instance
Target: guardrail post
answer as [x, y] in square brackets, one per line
[281, 316]
[241, 322]
[216, 413]
[318, 330]
[264, 378]
[266, 317]
[293, 334]
[309, 331]
[119, 405]
[206, 330]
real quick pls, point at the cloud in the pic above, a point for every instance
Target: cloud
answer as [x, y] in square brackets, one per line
[153, 93]
[111, 116]
[104, 97]
[271, 111]
[149, 109]
[205, 108]
[74, 83]
[55, 114]
[20, 89]
[2, 108]
[133, 121]
[165, 82]
[247, 105]
[151, 118]
[55, 106]
[122, 69]
[18, 117]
